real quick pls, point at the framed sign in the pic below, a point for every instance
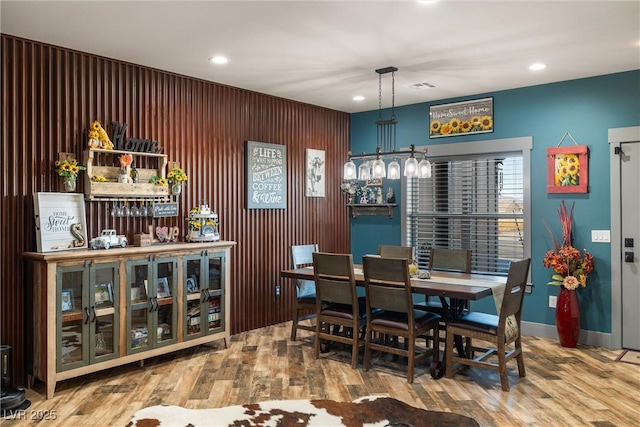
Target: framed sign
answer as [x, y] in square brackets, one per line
[60, 221]
[461, 118]
[568, 169]
[315, 173]
[266, 175]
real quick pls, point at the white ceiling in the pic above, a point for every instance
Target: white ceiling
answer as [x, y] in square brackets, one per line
[325, 52]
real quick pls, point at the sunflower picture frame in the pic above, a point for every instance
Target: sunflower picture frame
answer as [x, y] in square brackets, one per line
[461, 118]
[568, 169]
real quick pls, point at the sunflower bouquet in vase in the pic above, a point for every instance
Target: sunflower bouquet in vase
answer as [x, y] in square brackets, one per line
[68, 168]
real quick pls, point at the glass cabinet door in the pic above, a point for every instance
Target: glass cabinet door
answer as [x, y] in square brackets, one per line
[139, 305]
[72, 306]
[204, 299]
[214, 296]
[164, 300]
[193, 281]
[104, 323]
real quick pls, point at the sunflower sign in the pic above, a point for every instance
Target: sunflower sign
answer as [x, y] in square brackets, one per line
[567, 169]
[461, 118]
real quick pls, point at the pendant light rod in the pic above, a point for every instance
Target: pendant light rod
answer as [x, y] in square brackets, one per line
[379, 153]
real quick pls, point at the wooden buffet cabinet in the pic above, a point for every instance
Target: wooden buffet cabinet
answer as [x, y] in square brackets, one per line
[96, 309]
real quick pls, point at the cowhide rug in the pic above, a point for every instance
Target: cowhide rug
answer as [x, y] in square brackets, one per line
[364, 412]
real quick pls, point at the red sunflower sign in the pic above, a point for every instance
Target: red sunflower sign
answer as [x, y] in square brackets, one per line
[568, 169]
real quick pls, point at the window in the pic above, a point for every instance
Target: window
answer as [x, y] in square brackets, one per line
[476, 201]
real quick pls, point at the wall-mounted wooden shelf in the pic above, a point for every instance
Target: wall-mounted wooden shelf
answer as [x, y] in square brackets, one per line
[358, 209]
[101, 162]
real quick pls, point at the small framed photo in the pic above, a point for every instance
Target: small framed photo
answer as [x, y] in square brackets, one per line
[67, 300]
[103, 294]
[163, 287]
[192, 284]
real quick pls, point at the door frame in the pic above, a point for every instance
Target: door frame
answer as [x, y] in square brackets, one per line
[617, 136]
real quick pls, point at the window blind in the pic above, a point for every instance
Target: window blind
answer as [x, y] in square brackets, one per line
[469, 203]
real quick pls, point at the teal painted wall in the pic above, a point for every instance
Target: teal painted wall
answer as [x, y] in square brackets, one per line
[586, 108]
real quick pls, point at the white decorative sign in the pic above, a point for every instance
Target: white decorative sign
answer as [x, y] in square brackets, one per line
[60, 221]
[315, 173]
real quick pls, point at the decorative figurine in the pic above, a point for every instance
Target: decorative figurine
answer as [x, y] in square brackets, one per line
[379, 199]
[391, 198]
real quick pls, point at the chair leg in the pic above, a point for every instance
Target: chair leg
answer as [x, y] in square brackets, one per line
[294, 325]
[502, 367]
[367, 350]
[520, 359]
[411, 359]
[356, 347]
[316, 342]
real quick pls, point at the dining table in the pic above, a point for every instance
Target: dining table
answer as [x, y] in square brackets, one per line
[452, 288]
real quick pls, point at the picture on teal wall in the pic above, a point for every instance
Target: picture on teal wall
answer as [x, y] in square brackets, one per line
[567, 169]
[461, 118]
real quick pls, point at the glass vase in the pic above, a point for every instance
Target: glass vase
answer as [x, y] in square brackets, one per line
[69, 184]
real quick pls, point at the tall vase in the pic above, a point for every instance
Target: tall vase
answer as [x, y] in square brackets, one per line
[568, 317]
[69, 184]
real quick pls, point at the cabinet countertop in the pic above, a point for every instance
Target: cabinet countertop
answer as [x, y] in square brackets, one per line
[172, 248]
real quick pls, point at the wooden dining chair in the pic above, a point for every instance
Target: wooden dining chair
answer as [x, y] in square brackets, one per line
[337, 303]
[390, 251]
[388, 289]
[305, 305]
[444, 259]
[500, 330]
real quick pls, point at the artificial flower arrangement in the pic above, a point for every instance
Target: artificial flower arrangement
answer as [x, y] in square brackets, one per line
[176, 176]
[125, 160]
[570, 267]
[351, 188]
[68, 168]
[195, 223]
[158, 181]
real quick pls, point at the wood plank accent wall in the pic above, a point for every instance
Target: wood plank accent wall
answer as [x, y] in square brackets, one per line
[50, 95]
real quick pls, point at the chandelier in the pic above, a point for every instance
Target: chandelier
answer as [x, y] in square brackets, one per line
[373, 165]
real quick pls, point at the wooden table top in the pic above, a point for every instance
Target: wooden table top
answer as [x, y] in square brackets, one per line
[442, 284]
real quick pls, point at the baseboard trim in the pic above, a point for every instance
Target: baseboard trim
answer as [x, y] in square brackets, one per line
[599, 339]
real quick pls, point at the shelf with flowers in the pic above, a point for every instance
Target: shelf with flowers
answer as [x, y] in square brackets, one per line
[571, 270]
[68, 168]
[112, 175]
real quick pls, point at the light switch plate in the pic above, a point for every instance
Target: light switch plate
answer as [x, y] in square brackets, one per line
[552, 301]
[601, 236]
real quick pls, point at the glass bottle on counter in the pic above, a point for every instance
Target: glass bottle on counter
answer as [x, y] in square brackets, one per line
[134, 173]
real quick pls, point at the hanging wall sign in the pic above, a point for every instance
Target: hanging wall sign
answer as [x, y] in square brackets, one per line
[461, 118]
[266, 175]
[161, 210]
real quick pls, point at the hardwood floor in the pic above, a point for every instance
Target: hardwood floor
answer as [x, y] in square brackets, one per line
[563, 387]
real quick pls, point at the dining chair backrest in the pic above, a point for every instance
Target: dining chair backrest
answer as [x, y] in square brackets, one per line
[387, 284]
[334, 277]
[302, 256]
[514, 289]
[390, 251]
[450, 259]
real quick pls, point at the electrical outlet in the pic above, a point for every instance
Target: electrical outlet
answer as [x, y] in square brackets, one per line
[277, 291]
[552, 301]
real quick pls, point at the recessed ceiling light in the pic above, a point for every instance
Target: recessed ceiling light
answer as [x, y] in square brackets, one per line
[218, 59]
[537, 66]
[358, 98]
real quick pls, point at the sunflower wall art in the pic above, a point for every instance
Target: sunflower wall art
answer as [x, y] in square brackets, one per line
[568, 169]
[461, 118]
